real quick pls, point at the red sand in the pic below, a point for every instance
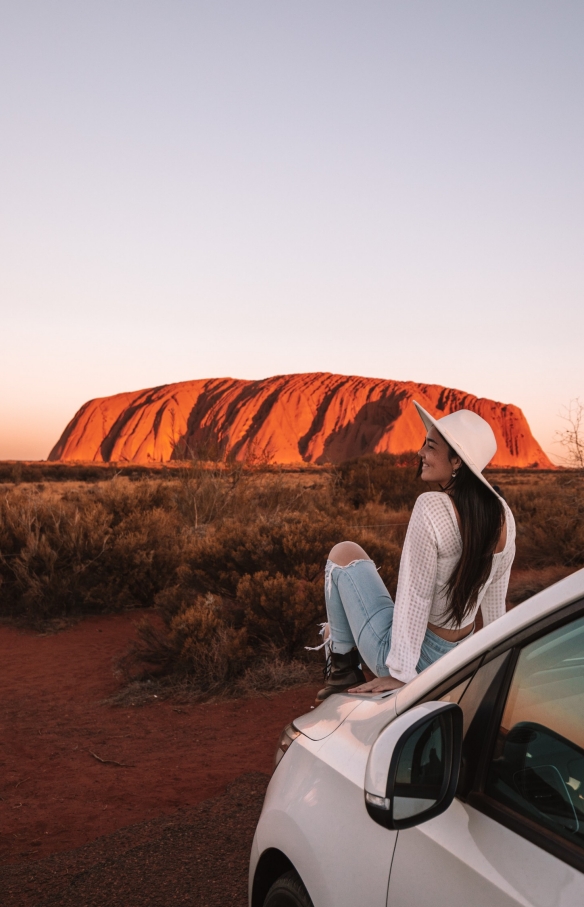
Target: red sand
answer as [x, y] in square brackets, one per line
[56, 796]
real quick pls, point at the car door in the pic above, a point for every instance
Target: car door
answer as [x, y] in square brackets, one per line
[514, 834]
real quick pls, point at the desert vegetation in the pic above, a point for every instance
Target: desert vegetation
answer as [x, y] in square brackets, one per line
[230, 560]
[571, 437]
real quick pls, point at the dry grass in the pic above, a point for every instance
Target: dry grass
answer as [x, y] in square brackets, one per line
[232, 559]
[266, 673]
[525, 583]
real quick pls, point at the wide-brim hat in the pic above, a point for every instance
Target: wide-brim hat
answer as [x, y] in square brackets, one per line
[469, 435]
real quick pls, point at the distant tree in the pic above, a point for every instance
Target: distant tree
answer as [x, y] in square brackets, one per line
[572, 437]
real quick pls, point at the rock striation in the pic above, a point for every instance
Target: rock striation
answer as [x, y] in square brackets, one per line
[305, 418]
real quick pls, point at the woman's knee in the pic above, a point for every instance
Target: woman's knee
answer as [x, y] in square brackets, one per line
[345, 552]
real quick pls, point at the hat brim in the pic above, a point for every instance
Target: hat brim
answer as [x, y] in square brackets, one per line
[430, 422]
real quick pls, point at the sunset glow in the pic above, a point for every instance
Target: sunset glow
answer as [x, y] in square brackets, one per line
[212, 190]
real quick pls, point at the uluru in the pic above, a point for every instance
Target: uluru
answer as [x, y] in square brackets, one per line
[288, 419]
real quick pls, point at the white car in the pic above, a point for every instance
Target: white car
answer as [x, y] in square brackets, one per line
[465, 788]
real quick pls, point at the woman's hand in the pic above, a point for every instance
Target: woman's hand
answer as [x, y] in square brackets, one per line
[378, 685]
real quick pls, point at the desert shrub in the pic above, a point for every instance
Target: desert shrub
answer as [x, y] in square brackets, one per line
[550, 525]
[198, 644]
[47, 550]
[294, 546]
[83, 553]
[262, 585]
[280, 609]
[383, 478]
[121, 544]
[21, 471]
[201, 654]
[379, 522]
[232, 559]
[205, 492]
[272, 671]
[525, 583]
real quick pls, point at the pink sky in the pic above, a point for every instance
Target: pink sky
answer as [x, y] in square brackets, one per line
[216, 188]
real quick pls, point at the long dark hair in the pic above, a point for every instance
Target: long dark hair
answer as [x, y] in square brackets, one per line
[482, 516]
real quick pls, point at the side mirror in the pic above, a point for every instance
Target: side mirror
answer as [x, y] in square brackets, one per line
[413, 766]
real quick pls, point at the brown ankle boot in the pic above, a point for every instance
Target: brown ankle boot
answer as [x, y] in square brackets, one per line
[340, 673]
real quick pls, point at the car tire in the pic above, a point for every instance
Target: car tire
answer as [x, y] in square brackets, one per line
[288, 891]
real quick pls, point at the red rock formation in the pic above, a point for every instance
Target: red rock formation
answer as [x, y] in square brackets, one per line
[312, 418]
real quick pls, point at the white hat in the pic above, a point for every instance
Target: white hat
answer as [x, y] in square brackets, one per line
[469, 435]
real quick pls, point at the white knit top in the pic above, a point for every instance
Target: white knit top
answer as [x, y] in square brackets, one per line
[432, 549]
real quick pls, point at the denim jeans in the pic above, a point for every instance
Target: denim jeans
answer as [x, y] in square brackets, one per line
[360, 613]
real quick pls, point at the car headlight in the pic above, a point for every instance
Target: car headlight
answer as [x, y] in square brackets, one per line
[288, 735]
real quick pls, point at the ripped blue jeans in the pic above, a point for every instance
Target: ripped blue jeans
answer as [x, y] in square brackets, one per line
[360, 613]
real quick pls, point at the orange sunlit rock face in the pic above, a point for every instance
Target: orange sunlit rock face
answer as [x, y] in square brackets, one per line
[310, 418]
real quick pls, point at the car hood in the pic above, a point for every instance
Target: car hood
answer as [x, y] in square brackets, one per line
[323, 720]
[326, 717]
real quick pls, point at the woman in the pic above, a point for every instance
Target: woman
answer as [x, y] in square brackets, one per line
[457, 557]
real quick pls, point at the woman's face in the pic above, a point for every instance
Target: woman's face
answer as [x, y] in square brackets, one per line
[436, 465]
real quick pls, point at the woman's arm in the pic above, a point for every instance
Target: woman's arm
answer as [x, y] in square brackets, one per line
[415, 591]
[493, 602]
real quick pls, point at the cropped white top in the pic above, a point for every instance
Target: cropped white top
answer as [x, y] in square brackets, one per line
[432, 549]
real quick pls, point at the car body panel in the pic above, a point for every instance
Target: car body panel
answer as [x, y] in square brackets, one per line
[469, 858]
[296, 819]
[326, 717]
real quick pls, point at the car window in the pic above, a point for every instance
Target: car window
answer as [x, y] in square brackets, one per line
[537, 768]
[455, 694]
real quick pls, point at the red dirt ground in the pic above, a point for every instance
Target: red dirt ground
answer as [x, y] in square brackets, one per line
[56, 796]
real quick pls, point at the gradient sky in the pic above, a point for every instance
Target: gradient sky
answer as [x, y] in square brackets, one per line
[200, 189]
